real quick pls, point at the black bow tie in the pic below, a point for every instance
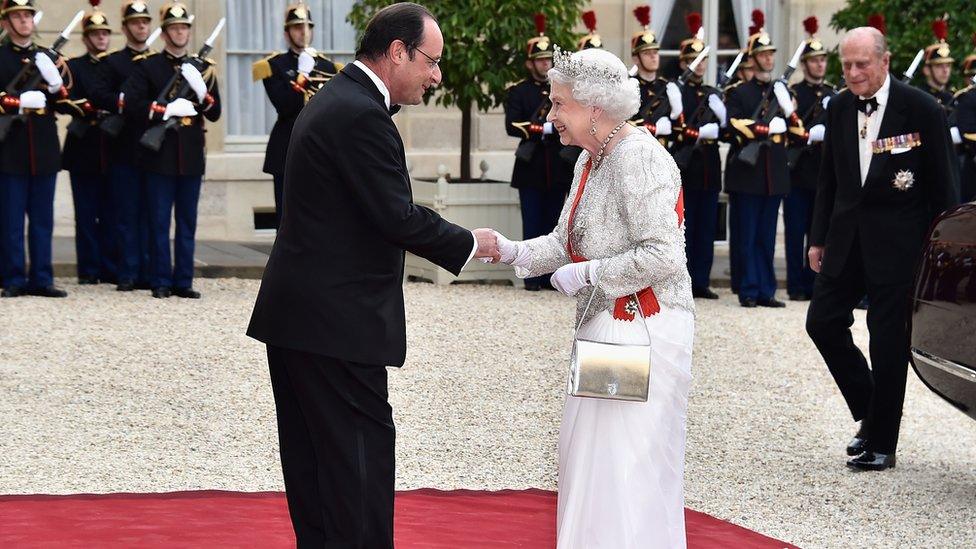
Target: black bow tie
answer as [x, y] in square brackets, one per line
[867, 106]
[394, 109]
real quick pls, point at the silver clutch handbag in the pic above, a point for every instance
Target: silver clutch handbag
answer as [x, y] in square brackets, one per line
[613, 371]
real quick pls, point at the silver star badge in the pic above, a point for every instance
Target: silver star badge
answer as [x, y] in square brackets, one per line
[904, 180]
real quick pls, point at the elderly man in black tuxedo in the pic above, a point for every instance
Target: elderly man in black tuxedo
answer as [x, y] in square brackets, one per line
[330, 307]
[888, 170]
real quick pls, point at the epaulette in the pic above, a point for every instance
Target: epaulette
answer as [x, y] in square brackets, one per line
[338, 65]
[964, 90]
[102, 55]
[829, 84]
[261, 68]
[143, 56]
[734, 85]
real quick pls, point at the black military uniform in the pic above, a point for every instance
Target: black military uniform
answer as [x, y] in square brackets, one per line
[701, 171]
[541, 174]
[652, 92]
[288, 91]
[30, 158]
[86, 158]
[175, 172]
[127, 181]
[964, 119]
[728, 135]
[804, 159]
[755, 190]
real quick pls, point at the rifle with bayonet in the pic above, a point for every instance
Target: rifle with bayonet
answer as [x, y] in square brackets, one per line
[664, 106]
[29, 77]
[176, 88]
[910, 73]
[703, 114]
[750, 153]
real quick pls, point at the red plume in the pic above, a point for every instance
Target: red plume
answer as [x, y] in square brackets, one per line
[877, 21]
[811, 25]
[753, 29]
[643, 15]
[540, 23]
[589, 19]
[940, 28]
[694, 22]
[758, 18]
[94, 3]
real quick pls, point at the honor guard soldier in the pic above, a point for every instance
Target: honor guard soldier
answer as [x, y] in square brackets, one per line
[757, 175]
[126, 178]
[86, 158]
[695, 151]
[541, 174]
[964, 118]
[656, 112]
[591, 39]
[174, 172]
[812, 95]
[30, 153]
[938, 66]
[290, 79]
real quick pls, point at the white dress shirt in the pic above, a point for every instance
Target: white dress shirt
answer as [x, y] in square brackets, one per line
[874, 126]
[381, 86]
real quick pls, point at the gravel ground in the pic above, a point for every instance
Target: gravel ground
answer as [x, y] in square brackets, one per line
[107, 392]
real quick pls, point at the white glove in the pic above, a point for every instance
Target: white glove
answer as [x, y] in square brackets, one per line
[662, 127]
[776, 126]
[824, 102]
[306, 63]
[48, 71]
[570, 279]
[816, 134]
[708, 131]
[195, 80]
[32, 100]
[783, 98]
[121, 102]
[674, 99]
[509, 250]
[956, 136]
[547, 128]
[179, 108]
[715, 103]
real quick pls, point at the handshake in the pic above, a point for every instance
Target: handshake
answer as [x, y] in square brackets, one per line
[495, 248]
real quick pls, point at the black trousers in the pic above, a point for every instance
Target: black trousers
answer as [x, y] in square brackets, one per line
[874, 394]
[335, 429]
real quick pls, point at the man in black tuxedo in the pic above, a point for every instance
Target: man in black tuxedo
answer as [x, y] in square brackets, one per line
[330, 307]
[888, 170]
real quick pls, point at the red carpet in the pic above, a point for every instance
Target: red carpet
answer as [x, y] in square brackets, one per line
[424, 518]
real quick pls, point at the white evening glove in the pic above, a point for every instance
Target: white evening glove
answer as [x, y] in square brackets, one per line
[662, 127]
[816, 134]
[674, 99]
[776, 126]
[195, 80]
[179, 108]
[715, 103]
[306, 63]
[121, 102]
[547, 128]
[48, 71]
[573, 277]
[956, 136]
[32, 100]
[824, 102]
[783, 98]
[708, 131]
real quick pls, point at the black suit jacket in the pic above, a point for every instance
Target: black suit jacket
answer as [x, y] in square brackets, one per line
[334, 282]
[889, 224]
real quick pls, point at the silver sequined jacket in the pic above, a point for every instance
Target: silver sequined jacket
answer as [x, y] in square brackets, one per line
[626, 218]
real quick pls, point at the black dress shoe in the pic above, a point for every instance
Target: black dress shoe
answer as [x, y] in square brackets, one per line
[126, 286]
[188, 293]
[12, 292]
[142, 286]
[801, 296]
[863, 304]
[87, 280]
[748, 302]
[872, 461]
[49, 291]
[704, 293]
[533, 287]
[857, 445]
[771, 302]
[161, 293]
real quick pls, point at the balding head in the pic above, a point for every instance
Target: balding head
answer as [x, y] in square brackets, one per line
[865, 59]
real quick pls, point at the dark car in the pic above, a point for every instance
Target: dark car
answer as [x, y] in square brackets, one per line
[944, 309]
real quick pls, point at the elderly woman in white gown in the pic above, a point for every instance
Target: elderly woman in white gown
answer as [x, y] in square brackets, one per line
[620, 463]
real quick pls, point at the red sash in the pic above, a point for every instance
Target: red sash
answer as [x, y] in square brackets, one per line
[624, 308]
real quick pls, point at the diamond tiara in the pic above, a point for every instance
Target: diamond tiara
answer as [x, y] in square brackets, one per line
[576, 69]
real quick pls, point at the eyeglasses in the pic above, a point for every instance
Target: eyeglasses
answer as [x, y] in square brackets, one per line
[432, 63]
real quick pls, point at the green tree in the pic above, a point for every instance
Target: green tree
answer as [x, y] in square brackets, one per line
[909, 28]
[484, 53]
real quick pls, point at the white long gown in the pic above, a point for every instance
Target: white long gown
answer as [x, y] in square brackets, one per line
[621, 464]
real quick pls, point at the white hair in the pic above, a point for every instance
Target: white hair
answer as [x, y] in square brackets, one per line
[599, 78]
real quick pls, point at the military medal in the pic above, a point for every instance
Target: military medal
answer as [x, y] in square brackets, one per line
[904, 180]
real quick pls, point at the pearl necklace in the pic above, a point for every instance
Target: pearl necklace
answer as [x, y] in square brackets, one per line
[603, 147]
